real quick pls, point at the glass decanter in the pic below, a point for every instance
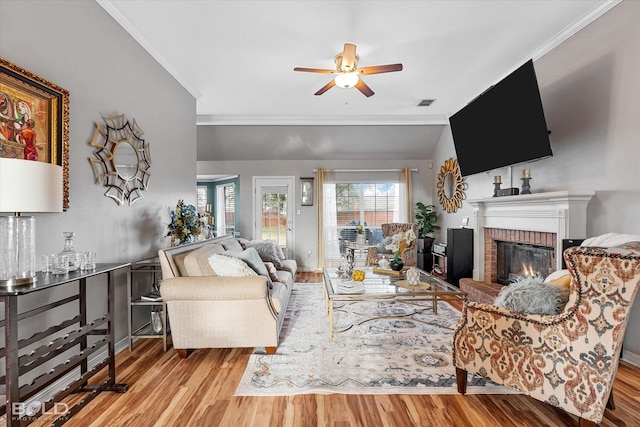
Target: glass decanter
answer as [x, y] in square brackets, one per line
[72, 255]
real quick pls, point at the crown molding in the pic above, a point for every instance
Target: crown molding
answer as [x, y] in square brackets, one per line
[110, 8]
[239, 120]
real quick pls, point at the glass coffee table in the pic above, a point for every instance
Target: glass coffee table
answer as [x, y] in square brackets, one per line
[340, 291]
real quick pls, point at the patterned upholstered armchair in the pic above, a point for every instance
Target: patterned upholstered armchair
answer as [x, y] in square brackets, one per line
[568, 360]
[409, 254]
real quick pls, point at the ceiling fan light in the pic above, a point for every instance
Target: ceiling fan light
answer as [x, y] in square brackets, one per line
[347, 80]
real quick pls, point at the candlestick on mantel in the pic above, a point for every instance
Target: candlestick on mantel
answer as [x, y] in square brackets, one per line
[497, 179]
[526, 173]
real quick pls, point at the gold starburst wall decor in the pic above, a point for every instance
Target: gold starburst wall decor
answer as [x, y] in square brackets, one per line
[122, 159]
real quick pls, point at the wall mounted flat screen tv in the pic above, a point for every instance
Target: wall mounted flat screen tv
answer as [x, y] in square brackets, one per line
[503, 126]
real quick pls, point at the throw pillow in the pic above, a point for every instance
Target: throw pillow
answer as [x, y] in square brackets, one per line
[273, 272]
[279, 250]
[252, 259]
[531, 295]
[224, 265]
[267, 251]
[243, 242]
[560, 277]
[232, 245]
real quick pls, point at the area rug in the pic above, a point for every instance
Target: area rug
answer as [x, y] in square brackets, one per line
[382, 356]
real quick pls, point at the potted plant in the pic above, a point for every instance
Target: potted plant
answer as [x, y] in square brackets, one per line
[427, 219]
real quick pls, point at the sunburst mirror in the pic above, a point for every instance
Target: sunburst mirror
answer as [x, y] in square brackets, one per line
[122, 159]
[451, 186]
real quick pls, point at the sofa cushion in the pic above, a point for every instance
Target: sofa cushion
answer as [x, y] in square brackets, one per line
[285, 277]
[224, 265]
[268, 251]
[279, 293]
[531, 295]
[289, 265]
[196, 263]
[232, 245]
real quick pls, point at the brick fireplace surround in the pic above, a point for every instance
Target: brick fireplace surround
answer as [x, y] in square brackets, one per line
[542, 219]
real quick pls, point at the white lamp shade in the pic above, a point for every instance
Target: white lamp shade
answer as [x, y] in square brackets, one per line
[30, 186]
[347, 80]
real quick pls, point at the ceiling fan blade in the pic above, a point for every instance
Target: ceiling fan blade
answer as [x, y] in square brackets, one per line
[377, 69]
[326, 87]
[362, 87]
[349, 56]
[314, 70]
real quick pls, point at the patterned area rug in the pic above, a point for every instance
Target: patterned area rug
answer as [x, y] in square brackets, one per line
[383, 356]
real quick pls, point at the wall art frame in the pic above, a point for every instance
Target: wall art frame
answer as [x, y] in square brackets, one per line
[34, 120]
[307, 191]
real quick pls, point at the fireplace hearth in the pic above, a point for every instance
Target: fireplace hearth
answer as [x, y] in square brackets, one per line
[515, 260]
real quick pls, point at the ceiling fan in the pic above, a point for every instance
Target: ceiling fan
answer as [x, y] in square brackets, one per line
[347, 71]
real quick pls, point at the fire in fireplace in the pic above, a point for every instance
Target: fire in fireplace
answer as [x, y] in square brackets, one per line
[518, 259]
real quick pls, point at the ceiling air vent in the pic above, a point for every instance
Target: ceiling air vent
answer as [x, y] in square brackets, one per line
[425, 102]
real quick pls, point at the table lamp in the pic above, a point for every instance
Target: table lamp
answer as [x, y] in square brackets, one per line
[25, 186]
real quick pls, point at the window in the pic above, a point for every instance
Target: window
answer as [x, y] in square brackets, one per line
[226, 209]
[348, 205]
[201, 199]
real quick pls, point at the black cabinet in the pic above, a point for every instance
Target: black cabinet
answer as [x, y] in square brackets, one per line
[459, 256]
[424, 261]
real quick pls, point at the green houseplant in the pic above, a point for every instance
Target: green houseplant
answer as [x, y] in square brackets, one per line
[427, 220]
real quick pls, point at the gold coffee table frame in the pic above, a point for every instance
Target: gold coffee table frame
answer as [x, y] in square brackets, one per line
[343, 291]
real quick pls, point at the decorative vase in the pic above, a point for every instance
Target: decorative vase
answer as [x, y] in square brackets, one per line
[413, 276]
[360, 239]
[69, 252]
[396, 265]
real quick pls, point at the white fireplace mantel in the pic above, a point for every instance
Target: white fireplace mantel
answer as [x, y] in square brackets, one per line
[560, 212]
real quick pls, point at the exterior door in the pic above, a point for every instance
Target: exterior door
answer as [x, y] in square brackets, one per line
[274, 204]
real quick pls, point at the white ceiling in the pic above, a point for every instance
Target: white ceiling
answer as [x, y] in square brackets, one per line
[237, 57]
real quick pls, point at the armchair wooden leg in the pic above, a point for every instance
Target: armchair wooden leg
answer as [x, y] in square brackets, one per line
[461, 380]
[586, 423]
[270, 350]
[183, 352]
[610, 404]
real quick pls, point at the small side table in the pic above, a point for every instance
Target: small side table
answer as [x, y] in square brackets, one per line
[149, 267]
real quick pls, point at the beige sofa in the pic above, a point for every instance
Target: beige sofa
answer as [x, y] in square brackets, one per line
[210, 311]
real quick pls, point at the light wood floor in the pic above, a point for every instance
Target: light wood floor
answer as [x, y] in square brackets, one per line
[165, 390]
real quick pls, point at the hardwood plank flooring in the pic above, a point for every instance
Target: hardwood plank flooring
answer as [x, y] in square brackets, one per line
[165, 390]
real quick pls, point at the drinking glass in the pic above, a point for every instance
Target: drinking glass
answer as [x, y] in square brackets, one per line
[60, 264]
[88, 261]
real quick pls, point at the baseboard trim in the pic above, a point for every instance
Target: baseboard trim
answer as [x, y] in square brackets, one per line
[631, 358]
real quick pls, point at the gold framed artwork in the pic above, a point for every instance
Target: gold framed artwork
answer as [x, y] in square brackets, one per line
[34, 120]
[306, 191]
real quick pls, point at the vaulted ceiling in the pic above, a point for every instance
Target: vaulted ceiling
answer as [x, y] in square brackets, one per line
[237, 59]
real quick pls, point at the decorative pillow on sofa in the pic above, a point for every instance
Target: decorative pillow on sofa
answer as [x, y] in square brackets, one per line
[273, 272]
[232, 245]
[252, 259]
[267, 249]
[531, 295]
[559, 277]
[224, 265]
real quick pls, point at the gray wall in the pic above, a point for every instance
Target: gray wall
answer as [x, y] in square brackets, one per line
[78, 46]
[305, 224]
[589, 86]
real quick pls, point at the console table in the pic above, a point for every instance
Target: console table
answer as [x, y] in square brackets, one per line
[19, 409]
